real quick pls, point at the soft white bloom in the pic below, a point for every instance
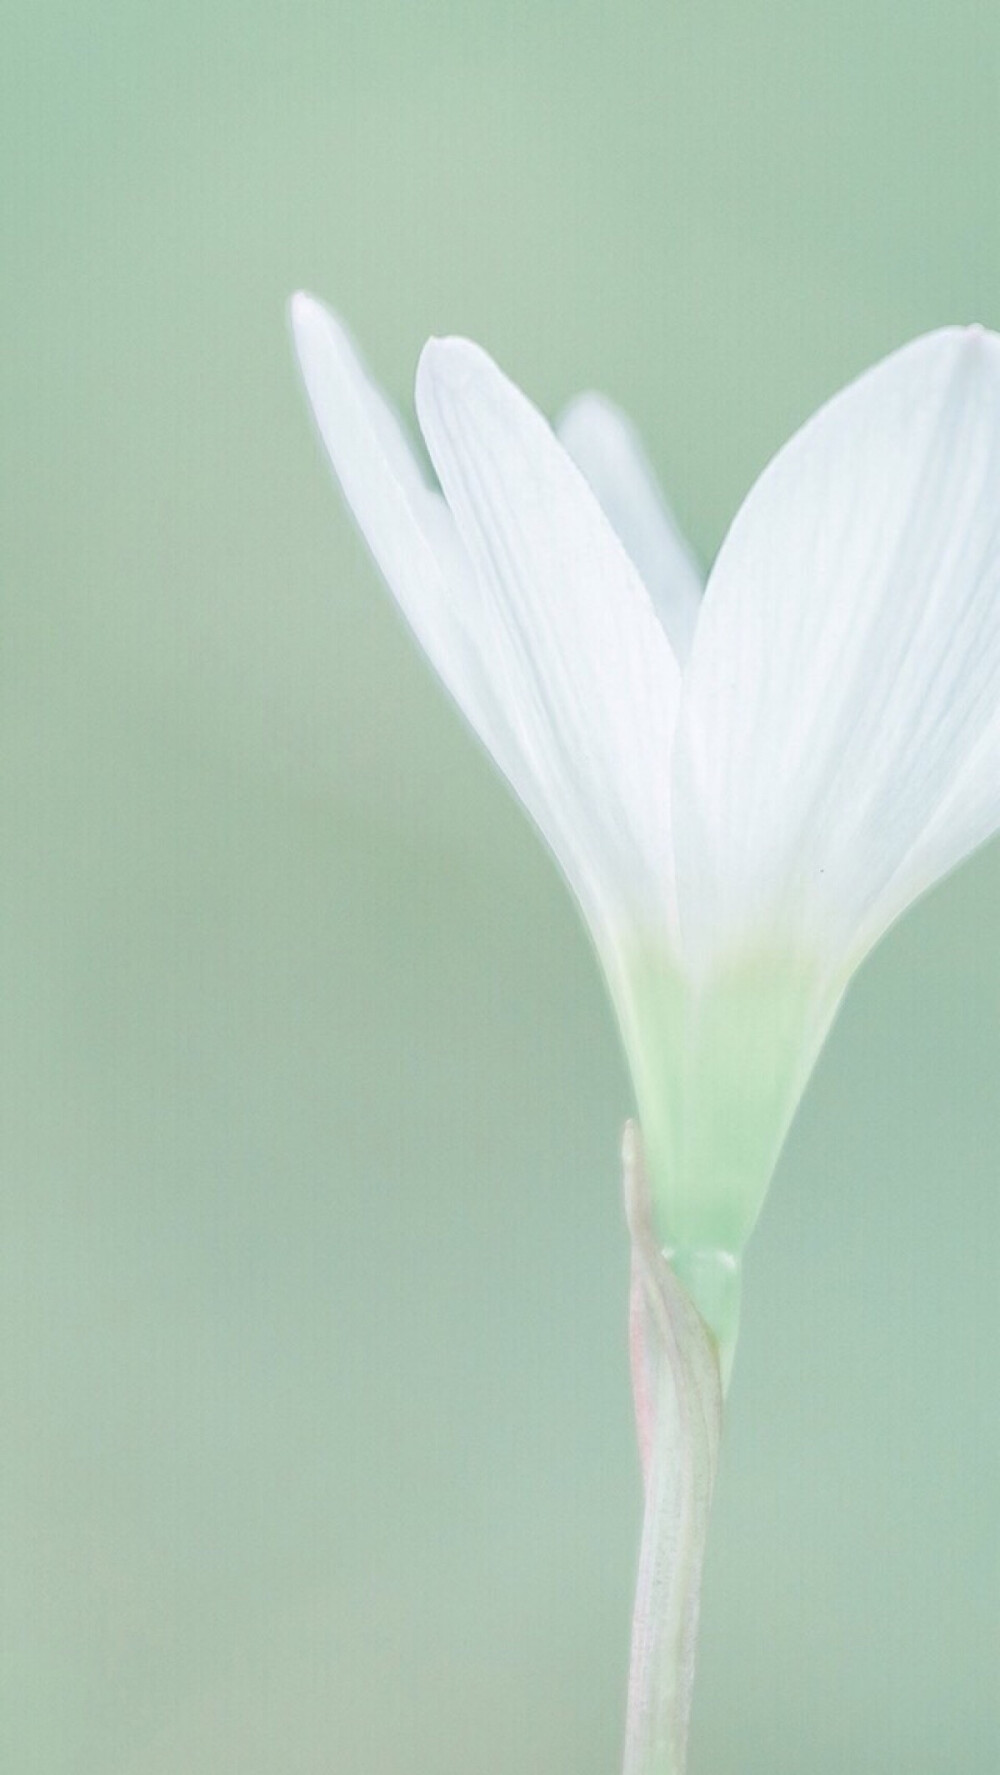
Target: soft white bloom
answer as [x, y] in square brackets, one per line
[743, 788]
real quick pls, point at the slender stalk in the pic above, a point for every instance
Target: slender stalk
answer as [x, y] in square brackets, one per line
[678, 1407]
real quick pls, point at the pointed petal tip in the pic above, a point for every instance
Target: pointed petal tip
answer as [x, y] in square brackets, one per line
[586, 415]
[328, 355]
[303, 309]
[980, 341]
[448, 362]
[315, 328]
[589, 400]
[452, 345]
[972, 337]
[311, 318]
[971, 342]
[956, 343]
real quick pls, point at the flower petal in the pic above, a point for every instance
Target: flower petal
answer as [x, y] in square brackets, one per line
[587, 673]
[605, 445]
[485, 658]
[969, 815]
[846, 664]
[405, 523]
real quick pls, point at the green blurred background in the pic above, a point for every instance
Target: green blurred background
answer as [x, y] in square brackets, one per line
[316, 1448]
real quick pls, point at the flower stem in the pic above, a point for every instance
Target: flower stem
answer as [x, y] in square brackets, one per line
[678, 1406]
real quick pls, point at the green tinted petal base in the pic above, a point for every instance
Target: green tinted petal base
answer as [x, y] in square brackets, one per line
[718, 1070]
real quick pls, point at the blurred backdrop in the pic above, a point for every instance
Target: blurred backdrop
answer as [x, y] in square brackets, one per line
[316, 1450]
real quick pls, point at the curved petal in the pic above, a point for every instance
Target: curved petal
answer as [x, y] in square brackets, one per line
[846, 664]
[405, 523]
[513, 692]
[606, 447]
[968, 816]
[587, 673]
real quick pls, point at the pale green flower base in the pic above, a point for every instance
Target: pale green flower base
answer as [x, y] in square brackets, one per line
[718, 1073]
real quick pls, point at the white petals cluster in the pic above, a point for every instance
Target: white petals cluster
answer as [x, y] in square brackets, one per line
[742, 785]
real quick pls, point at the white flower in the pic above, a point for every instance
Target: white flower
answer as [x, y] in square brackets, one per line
[744, 788]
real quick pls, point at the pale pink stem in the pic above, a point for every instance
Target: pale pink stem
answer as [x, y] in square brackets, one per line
[678, 1409]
